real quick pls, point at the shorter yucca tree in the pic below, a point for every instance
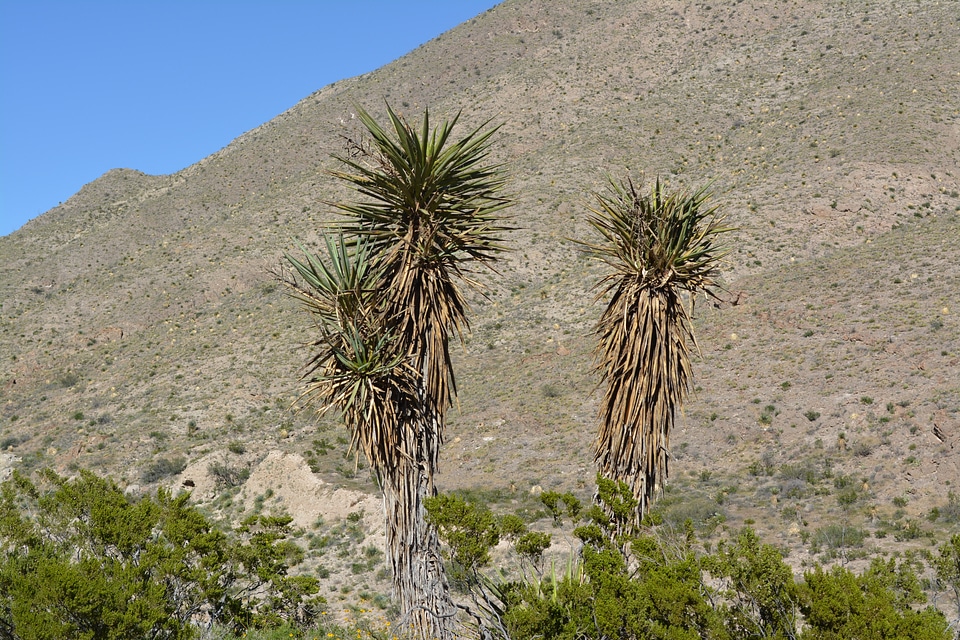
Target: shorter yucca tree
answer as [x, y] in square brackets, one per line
[358, 367]
[363, 372]
[659, 245]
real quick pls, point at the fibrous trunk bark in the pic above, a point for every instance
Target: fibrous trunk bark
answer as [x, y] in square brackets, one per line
[646, 365]
[413, 550]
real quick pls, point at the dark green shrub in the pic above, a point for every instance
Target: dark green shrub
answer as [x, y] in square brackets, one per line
[848, 496]
[947, 566]
[762, 467]
[877, 605]
[79, 559]
[469, 529]
[162, 468]
[760, 599]
[654, 583]
[660, 595]
[226, 476]
[907, 530]
[664, 597]
[550, 391]
[322, 446]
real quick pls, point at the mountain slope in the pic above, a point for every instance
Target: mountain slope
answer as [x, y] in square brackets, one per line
[140, 323]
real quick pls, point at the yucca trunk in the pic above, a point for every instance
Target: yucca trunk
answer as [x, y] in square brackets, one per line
[647, 382]
[413, 548]
[419, 578]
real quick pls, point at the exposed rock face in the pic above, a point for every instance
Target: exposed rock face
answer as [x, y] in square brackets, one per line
[306, 497]
[294, 489]
[7, 463]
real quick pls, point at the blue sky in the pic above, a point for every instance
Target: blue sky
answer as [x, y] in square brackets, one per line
[88, 86]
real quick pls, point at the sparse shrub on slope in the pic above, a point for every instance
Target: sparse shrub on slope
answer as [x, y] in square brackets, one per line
[162, 468]
[226, 476]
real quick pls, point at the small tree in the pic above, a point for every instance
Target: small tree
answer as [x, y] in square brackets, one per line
[388, 299]
[658, 246]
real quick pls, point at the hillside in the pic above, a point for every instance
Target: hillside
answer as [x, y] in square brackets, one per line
[140, 324]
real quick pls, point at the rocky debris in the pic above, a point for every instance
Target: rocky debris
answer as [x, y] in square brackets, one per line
[7, 462]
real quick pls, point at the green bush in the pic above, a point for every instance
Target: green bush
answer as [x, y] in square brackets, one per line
[471, 531]
[876, 605]
[162, 468]
[907, 530]
[655, 582]
[79, 559]
[759, 596]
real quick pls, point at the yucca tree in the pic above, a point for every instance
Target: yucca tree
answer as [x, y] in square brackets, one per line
[658, 245]
[389, 302]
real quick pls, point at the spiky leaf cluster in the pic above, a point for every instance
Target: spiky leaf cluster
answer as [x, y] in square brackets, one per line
[657, 245]
[387, 295]
[663, 239]
[358, 368]
[431, 209]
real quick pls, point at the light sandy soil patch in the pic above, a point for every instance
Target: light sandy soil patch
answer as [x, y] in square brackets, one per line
[293, 489]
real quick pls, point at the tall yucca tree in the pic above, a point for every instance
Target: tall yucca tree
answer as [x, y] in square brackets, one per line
[658, 245]
[389, 299]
